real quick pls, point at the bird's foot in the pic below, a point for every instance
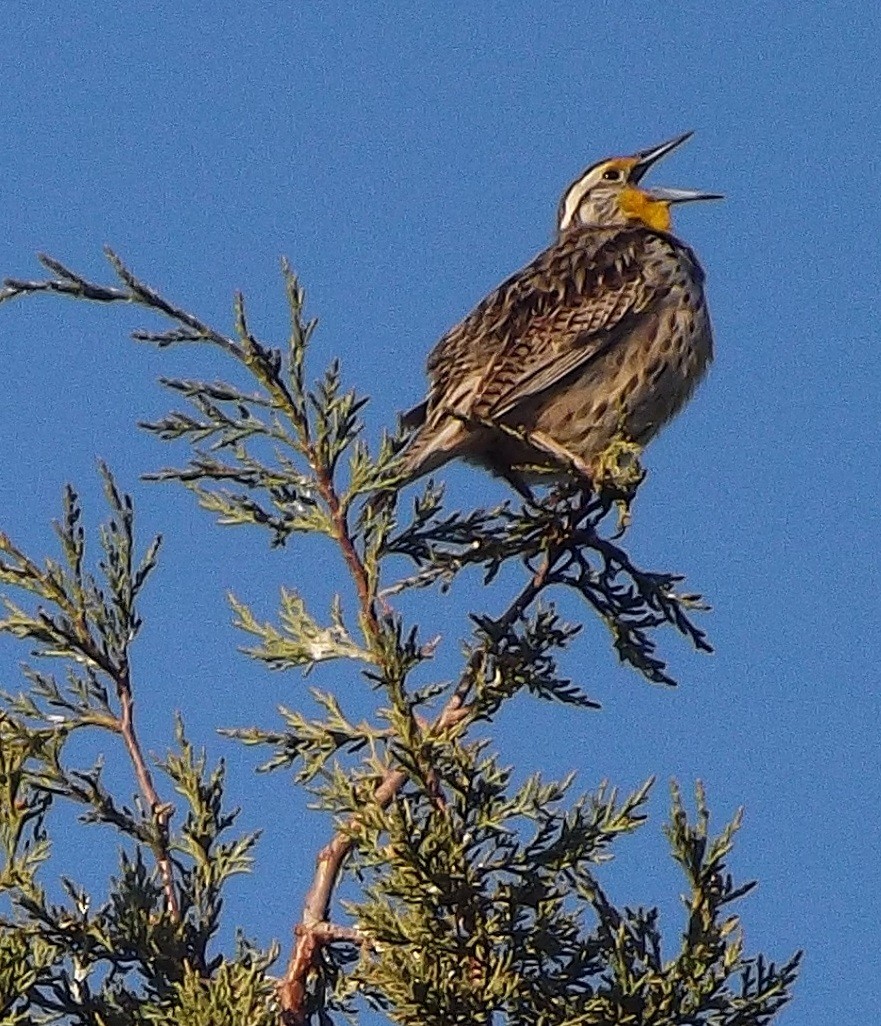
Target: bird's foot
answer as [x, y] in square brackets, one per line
[617, 473]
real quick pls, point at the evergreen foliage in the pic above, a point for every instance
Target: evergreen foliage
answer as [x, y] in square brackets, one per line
[478, 901]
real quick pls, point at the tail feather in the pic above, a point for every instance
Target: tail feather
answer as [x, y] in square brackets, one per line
[433, 445]
[415, 418]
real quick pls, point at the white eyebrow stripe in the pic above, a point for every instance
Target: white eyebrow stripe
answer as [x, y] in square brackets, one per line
[573, 198]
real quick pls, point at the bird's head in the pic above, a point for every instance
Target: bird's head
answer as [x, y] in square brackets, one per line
[608, 193]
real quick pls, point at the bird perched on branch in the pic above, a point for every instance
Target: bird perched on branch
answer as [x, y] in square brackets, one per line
[603, 337]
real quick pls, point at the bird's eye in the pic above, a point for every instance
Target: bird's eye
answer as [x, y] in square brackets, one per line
[611, 175]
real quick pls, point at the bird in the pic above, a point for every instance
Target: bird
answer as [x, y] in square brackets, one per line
[602, 337]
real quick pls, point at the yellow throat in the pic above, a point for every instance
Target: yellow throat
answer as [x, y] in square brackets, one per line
[640, 206]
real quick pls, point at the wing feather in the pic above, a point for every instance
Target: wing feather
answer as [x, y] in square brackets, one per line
[562, 310]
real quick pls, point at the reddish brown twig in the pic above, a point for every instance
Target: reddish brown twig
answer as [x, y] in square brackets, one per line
[78, 636]
[160, 811]
[124, 725]
[343, 538]
[313, 930]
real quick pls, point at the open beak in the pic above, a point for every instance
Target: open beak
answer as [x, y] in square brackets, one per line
[681, 195]
[647, 158]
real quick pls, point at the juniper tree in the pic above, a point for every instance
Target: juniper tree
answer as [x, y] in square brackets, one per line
[477, 900]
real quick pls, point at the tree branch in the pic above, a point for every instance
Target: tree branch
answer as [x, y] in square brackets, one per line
[160, 811]
[343, 537]
[312, 932]
[69, 283]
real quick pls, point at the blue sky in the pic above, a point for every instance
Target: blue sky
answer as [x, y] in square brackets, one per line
[406, 161]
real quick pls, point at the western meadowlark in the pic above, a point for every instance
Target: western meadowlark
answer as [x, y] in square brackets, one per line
[603, 337]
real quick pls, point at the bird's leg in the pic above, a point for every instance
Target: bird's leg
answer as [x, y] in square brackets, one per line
[536, 440]
[514, 479]
[496, 463]
[546, 444]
